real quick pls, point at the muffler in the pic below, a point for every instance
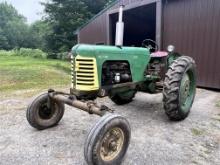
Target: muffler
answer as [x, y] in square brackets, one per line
[120, 28]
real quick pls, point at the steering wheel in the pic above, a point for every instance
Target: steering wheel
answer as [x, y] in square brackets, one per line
[150, 44]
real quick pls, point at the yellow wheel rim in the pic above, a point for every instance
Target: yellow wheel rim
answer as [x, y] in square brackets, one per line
[112, 144]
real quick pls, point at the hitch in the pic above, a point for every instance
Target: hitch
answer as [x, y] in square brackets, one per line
[88, 106]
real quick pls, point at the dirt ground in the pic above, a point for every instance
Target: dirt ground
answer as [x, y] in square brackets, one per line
[155, 139]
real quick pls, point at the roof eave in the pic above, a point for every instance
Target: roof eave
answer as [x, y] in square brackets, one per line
[76, 32]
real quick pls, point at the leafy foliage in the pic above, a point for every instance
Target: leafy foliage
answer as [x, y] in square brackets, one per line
[14, 30]
[38, 32]
[26, 52]
[65, 17]
[16, 33]
[55, 33]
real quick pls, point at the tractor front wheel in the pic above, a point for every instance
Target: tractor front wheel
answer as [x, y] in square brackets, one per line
[40, 116]
[108, 141]
[179, 88]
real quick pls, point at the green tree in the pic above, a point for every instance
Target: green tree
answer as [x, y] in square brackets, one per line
[13, 28]
[65, 16]
[55, 33]
[38, 32]
[3, 40]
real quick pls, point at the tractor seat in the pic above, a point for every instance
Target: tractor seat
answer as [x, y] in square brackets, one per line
[159, 54]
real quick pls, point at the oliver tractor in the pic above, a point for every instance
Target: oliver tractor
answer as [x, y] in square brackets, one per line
[119, 73]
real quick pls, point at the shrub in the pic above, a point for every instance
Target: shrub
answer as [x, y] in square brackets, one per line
[52, 55]
[63, 56]
[27, 52]
[36, 53]
[7, 53]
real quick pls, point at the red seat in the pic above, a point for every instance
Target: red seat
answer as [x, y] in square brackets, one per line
[159, 54]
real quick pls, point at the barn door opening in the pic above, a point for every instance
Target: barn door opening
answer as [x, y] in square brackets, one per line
[140, 24]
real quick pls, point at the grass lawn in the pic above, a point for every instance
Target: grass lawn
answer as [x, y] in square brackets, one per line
[17, 73]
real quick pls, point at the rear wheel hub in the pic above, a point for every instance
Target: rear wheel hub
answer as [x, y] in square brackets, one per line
[185, 89]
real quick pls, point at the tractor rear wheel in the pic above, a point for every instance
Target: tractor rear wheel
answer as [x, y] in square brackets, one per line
[40, 116]
[123, 98]
[179, 88]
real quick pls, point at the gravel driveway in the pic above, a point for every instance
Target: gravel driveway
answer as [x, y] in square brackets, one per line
[155, 139]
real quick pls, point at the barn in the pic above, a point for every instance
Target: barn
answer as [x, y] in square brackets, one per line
[193, 26]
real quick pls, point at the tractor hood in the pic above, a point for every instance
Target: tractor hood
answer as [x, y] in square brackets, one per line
[101, 50]
[138, 58]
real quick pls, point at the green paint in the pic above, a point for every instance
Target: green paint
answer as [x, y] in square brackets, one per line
[138, 58]
[187, 91]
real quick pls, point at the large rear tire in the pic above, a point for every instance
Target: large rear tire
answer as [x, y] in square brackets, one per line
[40, 116]
[179, 88]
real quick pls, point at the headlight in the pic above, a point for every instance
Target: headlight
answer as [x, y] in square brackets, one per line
[170, 48]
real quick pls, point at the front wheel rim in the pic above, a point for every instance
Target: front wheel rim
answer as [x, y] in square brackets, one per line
[112, 144]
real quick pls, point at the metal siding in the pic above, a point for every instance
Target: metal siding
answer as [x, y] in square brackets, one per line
[95, 32]
[193, 26]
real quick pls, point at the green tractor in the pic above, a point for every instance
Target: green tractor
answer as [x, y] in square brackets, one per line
[119, 73]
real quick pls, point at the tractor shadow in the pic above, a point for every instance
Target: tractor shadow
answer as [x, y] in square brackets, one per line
[143, 108]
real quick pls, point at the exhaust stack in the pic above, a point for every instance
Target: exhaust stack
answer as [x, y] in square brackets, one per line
[120, 28]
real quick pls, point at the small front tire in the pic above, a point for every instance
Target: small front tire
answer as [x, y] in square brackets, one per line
[40, 116]
[108, 141]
